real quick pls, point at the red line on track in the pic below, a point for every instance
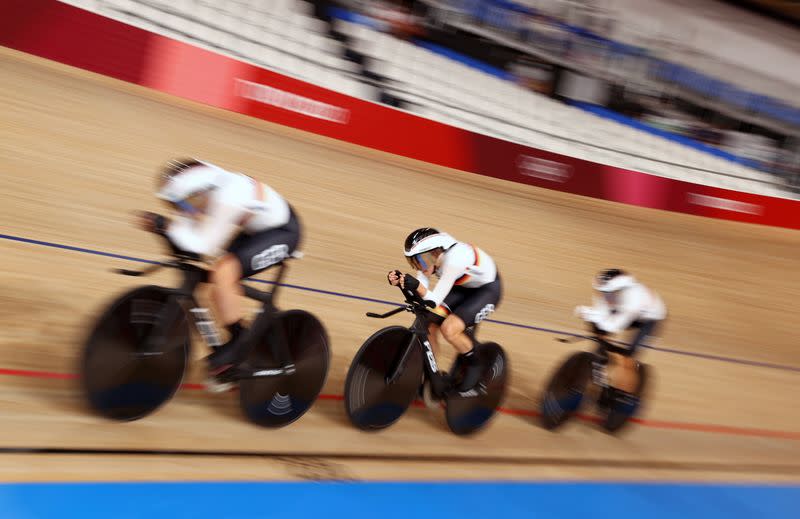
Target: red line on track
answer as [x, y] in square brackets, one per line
[655, 424]
[36, 374]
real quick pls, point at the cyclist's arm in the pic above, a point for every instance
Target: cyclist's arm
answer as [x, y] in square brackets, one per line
[207, 236]
[424, 282]
[633, 301]
[451, 271]
[600, 307]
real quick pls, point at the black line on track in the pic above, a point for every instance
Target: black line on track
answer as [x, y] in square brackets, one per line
[731, 467]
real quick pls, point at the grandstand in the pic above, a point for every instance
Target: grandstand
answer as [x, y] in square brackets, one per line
[286, 36]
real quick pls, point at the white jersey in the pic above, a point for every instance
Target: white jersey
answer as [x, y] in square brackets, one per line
[237, 202]
[462, 265]
[634, 303]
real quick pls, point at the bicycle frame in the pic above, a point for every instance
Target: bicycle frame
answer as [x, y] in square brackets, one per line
[178, 300]
[419, 336]
[182, 299]
[604, 347]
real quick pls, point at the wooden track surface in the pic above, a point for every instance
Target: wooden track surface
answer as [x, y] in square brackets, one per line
[77, 156]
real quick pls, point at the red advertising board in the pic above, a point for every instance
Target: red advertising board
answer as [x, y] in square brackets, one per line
[76, 37]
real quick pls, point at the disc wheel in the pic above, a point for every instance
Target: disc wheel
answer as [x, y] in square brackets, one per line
[370, 402]
[469, 411]
[622, 410]
[280, 400]
[120, 382]
[566, 389]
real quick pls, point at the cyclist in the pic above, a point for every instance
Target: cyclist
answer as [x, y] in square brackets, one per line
[623, 304]
[242, 225]
[467, 291]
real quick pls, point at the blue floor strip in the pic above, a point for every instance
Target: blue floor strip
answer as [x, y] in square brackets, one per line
[396, 500]
[720, 358]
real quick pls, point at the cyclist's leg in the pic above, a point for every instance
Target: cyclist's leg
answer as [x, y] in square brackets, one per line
[440, 314]
[224, 278]
[226, 294]
[453, 331]
[226, 289]
[623, 372]
[247, 255]
[476, 304]
[479, 304]
[434, 325]
[436, 317]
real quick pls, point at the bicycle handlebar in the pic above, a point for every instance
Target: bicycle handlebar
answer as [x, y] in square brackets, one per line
[414, 304]
[606, 344]
[174, 263]
[414, 299]
[574, 339]
[148, 270]
[387, 314]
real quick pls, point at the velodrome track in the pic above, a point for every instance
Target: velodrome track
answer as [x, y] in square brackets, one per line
[77, 155]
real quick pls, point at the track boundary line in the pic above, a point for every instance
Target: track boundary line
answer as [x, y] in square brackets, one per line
[439, 458]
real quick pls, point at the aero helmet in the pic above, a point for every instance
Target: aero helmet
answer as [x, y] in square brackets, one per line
[421, 242]
[612, 280]
[180, 180]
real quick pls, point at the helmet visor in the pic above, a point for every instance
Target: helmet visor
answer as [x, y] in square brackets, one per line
[421, 261]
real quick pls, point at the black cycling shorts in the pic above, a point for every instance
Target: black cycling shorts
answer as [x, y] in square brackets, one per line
[259, 251]
[472, 305]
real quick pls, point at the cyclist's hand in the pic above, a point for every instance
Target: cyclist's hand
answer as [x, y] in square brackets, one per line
[145, 220]
[587, 313]
[410, 282]
[394, 277]
[151, 222]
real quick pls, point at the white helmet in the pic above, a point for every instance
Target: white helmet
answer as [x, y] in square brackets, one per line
[612, 280]
[182, 179]
[422, 241]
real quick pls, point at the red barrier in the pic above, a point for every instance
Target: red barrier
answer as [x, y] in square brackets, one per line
[69, 35]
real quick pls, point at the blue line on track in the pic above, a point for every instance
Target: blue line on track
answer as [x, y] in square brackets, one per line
[707, 356]
[76, 249]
